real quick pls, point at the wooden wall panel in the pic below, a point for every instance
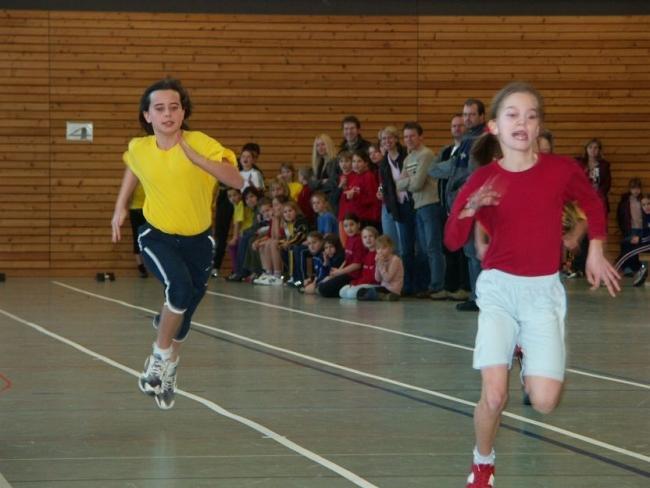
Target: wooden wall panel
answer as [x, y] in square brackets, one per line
[275, 80]
[24, 143]
[594, 73]
[279, 80]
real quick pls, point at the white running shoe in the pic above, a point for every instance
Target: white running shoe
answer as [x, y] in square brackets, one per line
[262, 279]
[150, 380]
[165, 399]
[275, 281]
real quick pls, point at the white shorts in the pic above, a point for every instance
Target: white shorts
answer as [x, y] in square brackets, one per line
[523, 310]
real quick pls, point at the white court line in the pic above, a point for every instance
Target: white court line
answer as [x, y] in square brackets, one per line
[542, 425]
[339, 470]
[3, 482]
[412, 336]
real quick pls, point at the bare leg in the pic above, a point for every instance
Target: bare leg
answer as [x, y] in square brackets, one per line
[487, 414]
[544, 393]
[265, 258]
[276, 258]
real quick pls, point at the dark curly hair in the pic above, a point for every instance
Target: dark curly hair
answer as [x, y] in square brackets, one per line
[164, 84]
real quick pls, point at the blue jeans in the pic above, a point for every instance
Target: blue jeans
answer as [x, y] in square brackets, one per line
[242, 248]
[403, 235]
[429, 243]
[389, 228]
[473, 264]
[299, 254]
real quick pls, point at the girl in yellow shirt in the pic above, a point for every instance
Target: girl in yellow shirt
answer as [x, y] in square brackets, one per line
[178, 170]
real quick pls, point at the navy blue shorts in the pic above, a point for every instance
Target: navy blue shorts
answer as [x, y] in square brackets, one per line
[182, 264]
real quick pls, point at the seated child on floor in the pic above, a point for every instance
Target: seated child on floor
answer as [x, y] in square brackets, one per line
[389, 272]
[367, 277]
[332, 256]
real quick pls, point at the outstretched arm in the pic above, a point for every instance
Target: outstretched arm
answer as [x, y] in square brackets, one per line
[225, 172]
[129, 182]
[599, 270]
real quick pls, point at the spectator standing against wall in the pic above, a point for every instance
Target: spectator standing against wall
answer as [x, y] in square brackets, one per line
[430, 260]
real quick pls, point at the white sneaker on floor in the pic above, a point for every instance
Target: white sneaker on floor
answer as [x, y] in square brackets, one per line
[262, 279]
[275, 281]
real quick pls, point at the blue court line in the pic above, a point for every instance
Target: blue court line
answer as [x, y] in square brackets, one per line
[421, 337]
[334, 366]
[519, 430]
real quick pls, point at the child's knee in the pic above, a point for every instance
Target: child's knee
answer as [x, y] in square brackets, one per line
[544, 396]
[543, 403]
[495, 399]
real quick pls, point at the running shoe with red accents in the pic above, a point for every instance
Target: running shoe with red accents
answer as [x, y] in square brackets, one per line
[482, 476]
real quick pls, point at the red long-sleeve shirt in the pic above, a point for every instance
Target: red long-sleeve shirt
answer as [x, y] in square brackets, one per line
[354, 253]
[365, 203]
[367, 276]
[525, 228]
[344, 203]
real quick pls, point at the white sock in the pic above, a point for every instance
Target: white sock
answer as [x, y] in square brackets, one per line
[163, 354]
[480, 459]
[172, 364]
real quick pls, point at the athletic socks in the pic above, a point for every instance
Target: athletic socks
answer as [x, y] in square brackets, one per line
[163, 354]
[480, 459]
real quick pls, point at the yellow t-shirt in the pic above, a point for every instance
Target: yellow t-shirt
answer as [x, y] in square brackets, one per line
[178, 193]
[137, 199]
[294, 190]
[243, 214]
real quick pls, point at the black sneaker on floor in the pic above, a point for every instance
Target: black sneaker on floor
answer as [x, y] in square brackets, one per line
[234, 277]
[150, 381]
[166, 398]
[468, 306]
[640, 276]
[143, 271]
[389, 297]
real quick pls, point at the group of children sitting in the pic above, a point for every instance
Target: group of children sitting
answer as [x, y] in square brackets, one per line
[294, 238]
[330, 245]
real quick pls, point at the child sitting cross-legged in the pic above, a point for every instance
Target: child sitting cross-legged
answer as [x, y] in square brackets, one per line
[332, 256]
[367, 277]
[389, 272]
[355, 253]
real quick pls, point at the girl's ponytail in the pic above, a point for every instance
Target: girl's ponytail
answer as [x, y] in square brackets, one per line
[485, 149]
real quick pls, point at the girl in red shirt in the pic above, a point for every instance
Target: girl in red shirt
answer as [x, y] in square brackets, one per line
[353, 264]
[361, 191]
[367, 278]
[518, 199]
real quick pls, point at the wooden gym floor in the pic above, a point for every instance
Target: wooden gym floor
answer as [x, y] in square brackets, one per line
[282, 390]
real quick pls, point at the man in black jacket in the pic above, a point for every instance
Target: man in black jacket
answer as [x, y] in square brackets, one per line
[352, 140]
